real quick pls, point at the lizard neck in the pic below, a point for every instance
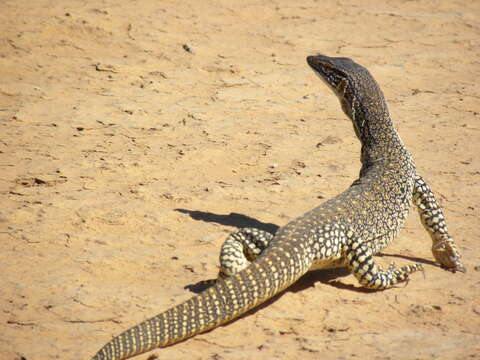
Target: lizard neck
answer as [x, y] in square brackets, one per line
[381, 143]
[375, 130]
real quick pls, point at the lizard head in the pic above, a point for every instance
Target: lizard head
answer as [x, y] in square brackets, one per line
[357, 90]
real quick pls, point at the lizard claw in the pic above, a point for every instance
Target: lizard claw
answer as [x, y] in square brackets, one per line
[446, 253]
[458, 266]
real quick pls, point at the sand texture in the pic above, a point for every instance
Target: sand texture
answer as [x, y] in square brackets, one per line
[135, 135]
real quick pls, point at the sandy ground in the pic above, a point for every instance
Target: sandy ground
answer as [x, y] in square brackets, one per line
[136, 134]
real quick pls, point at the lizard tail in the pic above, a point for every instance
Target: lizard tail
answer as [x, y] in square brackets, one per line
[226, 300]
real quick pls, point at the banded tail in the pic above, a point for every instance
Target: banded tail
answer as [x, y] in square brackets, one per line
[226, 300]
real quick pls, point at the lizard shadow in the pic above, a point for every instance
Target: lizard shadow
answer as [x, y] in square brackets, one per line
[409, 258]
[232, 219]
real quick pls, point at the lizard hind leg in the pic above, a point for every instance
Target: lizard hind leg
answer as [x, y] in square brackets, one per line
[362, 265]
[240, 248]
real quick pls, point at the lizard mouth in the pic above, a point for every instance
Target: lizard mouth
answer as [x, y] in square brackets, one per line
[319, 63]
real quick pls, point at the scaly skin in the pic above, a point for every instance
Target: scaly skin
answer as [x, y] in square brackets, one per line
[344, 231]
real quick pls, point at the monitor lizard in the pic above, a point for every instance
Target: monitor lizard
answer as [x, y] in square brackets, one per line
[347, 230]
